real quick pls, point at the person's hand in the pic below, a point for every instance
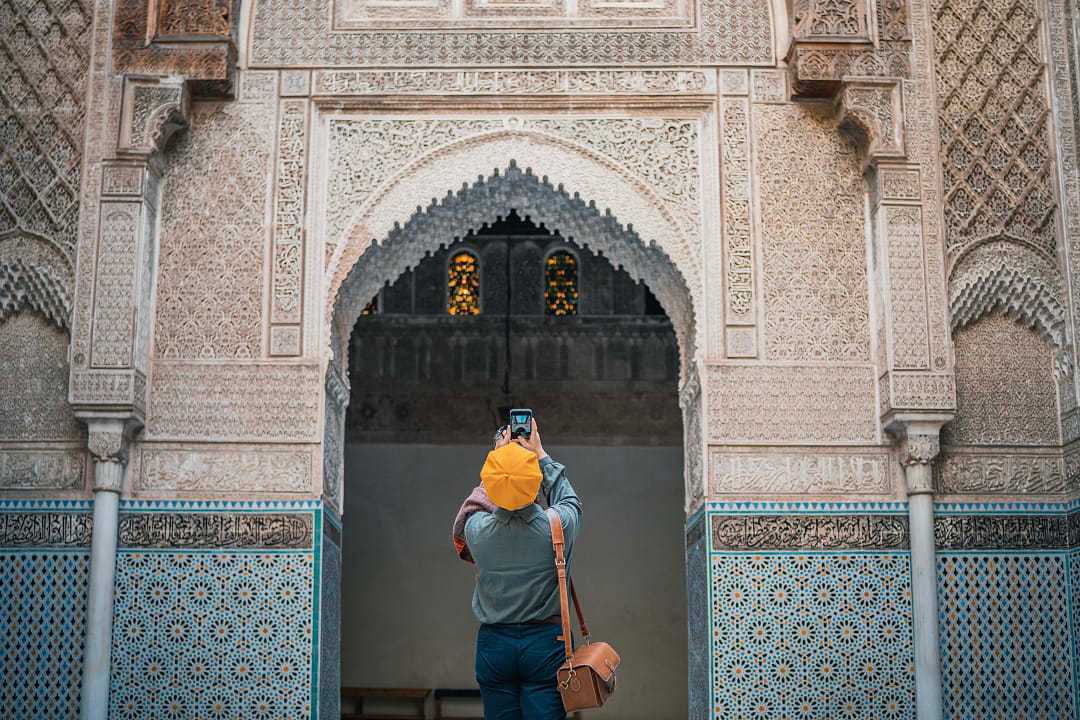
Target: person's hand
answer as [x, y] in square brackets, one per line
[533, 444]
[504, 437]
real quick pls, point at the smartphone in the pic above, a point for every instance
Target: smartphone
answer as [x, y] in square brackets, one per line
[521, 423]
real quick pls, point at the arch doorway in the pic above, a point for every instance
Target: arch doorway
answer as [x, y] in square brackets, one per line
[592, 353]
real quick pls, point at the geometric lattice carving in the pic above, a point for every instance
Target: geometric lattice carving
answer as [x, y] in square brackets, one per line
[1005, 636]
[212, 635]
[814, 250]
[44, 53]
[35, 288]
[43, 615]
[993, 115]
[1005, 389]
[812, 636]
[213, 227]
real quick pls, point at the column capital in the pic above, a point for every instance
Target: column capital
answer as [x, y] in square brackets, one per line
[108, 441]
[919, 442]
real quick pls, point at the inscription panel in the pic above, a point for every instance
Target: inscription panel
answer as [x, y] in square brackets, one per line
[742, 473]
[503, 14]
[269, 531]
[45, 529]
[809, 532]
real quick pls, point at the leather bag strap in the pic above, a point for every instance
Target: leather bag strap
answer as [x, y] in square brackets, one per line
[558, 543]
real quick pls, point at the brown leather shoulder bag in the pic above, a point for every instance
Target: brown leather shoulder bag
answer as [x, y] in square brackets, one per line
[587, 678]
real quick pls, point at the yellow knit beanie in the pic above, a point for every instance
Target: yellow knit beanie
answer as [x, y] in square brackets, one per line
[511, 476]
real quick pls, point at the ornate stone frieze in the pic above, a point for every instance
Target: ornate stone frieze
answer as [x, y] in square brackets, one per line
[481, 14]
[109, 387]
[785, 473]
[239, 403]
[810, 205]
[513, 82]
[999, 531]
[45, 50]
[1005, 386]
[213, 234]
[241, 530]
[45, 529]
[790, 404]
[42, 469]
[725, 32]
[231, 469]
[818, 70]
[993, 114]
[113, 333]
[1000, 474]
[809, 532]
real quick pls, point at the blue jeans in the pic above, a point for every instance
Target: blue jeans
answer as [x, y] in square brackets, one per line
[515, 668]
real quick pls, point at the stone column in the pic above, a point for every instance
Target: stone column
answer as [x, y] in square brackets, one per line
[919, 445]
[108, 446]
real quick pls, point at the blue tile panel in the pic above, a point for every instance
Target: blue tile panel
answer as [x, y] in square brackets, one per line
[1005, 639]
[44, 568]
[216, 614]
[810, 613]
[43, 610]
[1007, 584]
[698, 627]
[330, 620]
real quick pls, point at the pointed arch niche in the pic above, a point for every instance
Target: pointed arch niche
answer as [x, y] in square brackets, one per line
[394, 191]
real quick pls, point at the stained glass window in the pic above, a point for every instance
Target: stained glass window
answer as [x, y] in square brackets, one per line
[561, 284]
[463, 285]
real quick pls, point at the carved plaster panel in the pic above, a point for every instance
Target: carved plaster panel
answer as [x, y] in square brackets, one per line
[968, 473]
[810, 199]
[237, 403]
[743, 473]
[756, 404]
[690, 400]
[1005, 388]
[33, 381]
[245, 469]
[43, 469]
[724, 32]
[213, 234]
[741, 306]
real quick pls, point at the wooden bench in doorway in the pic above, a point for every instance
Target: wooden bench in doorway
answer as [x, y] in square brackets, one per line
[443, 694]
[417, 697]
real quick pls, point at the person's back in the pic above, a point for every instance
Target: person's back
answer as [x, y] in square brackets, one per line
[519, 646]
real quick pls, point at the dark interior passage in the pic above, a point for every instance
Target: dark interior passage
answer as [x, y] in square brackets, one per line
[592, 353]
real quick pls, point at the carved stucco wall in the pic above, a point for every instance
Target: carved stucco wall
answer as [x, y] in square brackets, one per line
[44, 53]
